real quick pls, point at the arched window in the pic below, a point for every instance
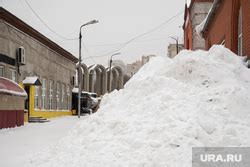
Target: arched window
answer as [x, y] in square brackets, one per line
[240, 41]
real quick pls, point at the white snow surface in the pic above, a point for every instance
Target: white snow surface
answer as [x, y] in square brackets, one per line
[199, 98]
[20, 143]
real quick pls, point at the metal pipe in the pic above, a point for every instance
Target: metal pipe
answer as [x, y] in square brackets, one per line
[110, 66]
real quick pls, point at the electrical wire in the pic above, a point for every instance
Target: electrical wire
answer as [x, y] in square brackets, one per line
[46, 25]
[123, 45]
[139, 36]
[87, 51]
[58, 35]
[115, 44]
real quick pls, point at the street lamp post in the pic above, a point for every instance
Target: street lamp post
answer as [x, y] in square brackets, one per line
[79, 64]
[177, 43]
[110, 65]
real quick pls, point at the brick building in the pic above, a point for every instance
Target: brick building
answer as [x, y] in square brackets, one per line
[43, 68]
[228, 23]
[194, 15]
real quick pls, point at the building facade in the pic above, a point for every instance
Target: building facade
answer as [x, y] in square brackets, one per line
[48, 69]
[172, 49]
[228, 23]
[194, 15]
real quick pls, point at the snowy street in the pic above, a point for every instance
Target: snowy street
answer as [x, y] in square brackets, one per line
[156, 83]
[20, 143]
[198, 99]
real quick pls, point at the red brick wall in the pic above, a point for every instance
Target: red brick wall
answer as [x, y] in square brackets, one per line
[224, 25]
[217, 31]
[11, 118]
[246, 26]
[188, 33]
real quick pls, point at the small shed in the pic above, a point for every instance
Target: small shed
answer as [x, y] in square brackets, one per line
[12, 98]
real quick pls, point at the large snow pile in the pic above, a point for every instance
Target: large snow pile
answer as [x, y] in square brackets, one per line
[171, 105]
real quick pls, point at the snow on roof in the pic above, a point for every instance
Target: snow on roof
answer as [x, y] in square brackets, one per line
[31, 81]
[12, 88]
[75, 90]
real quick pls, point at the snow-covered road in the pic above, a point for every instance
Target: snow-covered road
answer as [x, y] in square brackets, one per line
[17, 144]
[197, 99]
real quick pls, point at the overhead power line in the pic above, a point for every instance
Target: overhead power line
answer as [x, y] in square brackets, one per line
[87, 51]
[123, 45]
[116, 44]
[46, 25]
[138, 36]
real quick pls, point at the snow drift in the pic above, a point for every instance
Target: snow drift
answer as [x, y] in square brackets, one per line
[171, 105]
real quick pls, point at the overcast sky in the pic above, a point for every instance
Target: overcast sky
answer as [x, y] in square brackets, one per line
[119, 21]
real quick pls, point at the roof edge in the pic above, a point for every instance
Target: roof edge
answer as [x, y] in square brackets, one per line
[27, 29]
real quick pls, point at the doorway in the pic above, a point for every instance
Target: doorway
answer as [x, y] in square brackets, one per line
[27, 101]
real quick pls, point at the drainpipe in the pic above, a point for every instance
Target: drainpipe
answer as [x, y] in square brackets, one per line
[209, 16]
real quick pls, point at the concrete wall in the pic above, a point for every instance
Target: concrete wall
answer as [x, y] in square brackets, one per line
[40, 60]
[198, 12]
[9, 102]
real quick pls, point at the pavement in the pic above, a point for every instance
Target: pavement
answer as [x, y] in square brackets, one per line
[18, 144]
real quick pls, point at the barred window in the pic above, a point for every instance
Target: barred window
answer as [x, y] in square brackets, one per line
[36, 97]
[51, 84]
[44, 89]
[13, 75]
[68, 98]
[57, 95]
[62, 97]
[1, 71]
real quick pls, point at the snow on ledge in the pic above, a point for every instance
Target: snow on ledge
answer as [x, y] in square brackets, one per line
[30, 80]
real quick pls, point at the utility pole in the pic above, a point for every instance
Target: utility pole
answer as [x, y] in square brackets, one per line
[79, 68]
[177, 44]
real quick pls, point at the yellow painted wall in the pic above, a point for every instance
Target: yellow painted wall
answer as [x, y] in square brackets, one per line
[43, 113]
[50, 114]
[32, 100]
[26, 117]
